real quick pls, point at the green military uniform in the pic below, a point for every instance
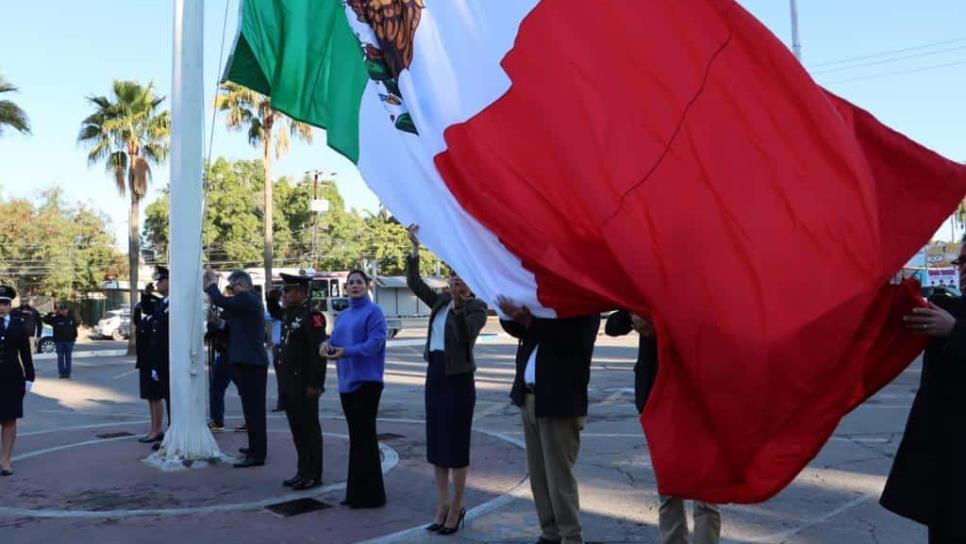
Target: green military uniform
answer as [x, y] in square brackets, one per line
[300, 368]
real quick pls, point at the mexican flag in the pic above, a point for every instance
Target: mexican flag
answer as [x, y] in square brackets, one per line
[664, 156]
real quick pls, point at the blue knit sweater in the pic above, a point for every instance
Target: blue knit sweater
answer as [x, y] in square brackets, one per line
[361, 331]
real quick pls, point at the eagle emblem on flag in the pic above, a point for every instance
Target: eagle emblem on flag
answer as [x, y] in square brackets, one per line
[395, 23]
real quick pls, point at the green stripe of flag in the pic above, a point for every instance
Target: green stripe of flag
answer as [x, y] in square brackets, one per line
[304, 55]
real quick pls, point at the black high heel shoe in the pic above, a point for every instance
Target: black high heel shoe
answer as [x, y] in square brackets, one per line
[435, 527]
[460, 523]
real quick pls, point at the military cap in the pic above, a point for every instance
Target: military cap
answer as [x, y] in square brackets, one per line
[7, 293]
[161, 273]
[291, 281]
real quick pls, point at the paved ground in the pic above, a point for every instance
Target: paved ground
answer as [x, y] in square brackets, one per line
[80, 477]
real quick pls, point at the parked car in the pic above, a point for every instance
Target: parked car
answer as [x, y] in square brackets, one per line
[115, 324]
[46, 342]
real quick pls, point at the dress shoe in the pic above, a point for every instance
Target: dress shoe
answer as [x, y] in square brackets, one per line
[156, 446]
[460, 523]
[6, 472]
[249, 462]
[292, 481]
[302, 485]
[148, 439]
[243, 451]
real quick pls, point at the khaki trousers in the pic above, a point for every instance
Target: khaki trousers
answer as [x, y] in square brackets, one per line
[673, 522]
[552, 447]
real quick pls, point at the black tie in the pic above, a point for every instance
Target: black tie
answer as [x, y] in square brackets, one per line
[3, 325]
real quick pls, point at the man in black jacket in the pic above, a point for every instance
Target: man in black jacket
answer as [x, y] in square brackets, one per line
[301, 376]
[927, 483]
[65, 334]
[672, 521]
[247, 355]
[31, 320]
[550, 387]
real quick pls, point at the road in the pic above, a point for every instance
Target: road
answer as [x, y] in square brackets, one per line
[72, 462]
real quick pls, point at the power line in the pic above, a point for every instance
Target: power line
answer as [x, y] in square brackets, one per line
[899, 72]
[888, 53]
[889, 60]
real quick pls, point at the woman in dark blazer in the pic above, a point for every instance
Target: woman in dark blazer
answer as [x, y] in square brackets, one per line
[454, 324]
[150, 390]
[16, 375]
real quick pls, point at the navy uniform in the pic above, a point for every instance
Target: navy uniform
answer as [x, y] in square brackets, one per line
[16, 362]
[159, 352]
[143, 318]
[301, 377]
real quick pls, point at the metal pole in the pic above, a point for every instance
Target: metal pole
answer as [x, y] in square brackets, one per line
[315, 223]
[796, 39]
[188, 438]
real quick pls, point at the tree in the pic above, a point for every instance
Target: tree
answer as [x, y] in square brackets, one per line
[49, 248]
[253, 112]
[129, 133]
[10, 113]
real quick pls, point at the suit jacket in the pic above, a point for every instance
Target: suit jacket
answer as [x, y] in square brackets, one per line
[16, 361]
[927, 482]
[246, 323]
[462, 328]
[565, 348]
[159, 353]
[645, 370]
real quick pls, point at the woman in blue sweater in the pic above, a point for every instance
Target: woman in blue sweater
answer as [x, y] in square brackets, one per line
[358, 342]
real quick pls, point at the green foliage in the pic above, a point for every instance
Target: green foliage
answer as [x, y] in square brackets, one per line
[10, 113]
[128, 133]
[231, 231]
[49, 248]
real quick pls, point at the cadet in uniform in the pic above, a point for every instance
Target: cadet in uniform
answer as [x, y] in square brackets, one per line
[301, 375]
[160, 364]
[16, 375]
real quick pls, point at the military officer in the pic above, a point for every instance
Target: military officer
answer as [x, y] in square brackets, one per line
[301, 375]
[16, 375]
[160, 364]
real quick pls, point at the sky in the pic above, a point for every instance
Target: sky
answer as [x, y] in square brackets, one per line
[909, 70]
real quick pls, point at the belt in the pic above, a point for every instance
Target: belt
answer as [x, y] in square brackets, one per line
[530, 388]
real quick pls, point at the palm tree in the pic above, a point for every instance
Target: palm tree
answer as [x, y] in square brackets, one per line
[128, 133]
[10, 114]
[249, 110]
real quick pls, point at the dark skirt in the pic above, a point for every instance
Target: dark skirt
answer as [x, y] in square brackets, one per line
[150, 389]
[11, 402]
[450, 401]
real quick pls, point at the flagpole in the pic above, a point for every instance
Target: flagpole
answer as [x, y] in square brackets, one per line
[796, 39]
[188, 437]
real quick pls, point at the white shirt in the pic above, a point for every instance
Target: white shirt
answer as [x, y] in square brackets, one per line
[437, 335]
[530, 374]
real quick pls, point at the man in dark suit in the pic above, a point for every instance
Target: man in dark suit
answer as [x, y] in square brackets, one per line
[927, 483]
[550, 387]
[301, 375]
[672, 521]
[247, 355]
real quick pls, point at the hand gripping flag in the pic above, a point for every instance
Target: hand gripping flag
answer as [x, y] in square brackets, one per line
[663, 156]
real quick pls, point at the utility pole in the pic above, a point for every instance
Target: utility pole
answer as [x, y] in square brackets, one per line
[318, 206]
[796, 39]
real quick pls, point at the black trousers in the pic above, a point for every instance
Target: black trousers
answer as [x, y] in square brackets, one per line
[303, 420]
[251, 381]
[364, 487]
